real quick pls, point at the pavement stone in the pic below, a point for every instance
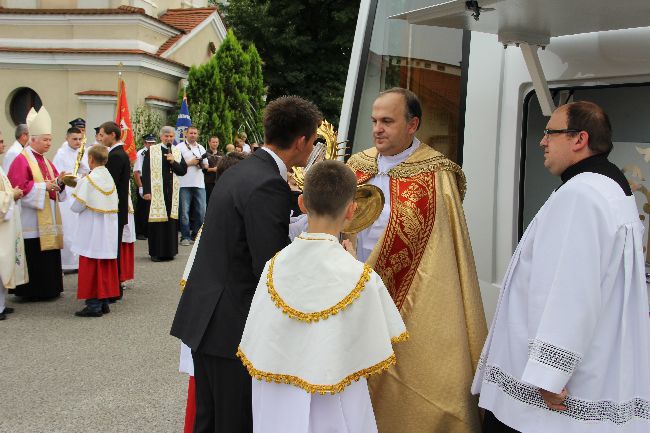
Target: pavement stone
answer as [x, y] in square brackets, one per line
[114, 374]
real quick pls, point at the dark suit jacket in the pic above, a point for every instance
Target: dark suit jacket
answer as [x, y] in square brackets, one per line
[247, 222]
[119, 167]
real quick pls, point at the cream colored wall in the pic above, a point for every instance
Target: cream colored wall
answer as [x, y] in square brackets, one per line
[195, 51]
[57, 90]
[20, 31]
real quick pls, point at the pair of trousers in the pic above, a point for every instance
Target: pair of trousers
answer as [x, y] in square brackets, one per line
[191, 199]
[223, 395]
[491, 424]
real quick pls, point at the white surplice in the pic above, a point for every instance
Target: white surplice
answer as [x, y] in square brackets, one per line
[10, 155]
[13, 265]
[573, 312]
[95, 200]
[64, 160]
[357, 322]
[368, 238]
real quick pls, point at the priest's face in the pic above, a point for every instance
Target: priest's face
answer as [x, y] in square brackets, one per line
[392, 131]
[74, 140]
[558, 154]
[167, 138]
[41, 143]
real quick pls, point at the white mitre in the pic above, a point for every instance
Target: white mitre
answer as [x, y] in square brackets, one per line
[39, 124]
[97, 191]
[319, 319]
[32, 113]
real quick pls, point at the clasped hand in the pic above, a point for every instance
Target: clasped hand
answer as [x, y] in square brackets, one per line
[553, 400]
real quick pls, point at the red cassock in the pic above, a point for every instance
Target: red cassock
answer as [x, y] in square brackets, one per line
[190, 409]
[97, 279]
[126, 261]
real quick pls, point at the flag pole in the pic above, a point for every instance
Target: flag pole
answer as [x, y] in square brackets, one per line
[119, 87]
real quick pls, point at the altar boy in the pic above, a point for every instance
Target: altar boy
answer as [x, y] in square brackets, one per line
[320, 322]
[96, 238]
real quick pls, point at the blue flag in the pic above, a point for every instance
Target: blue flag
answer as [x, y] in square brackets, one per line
[183, 122]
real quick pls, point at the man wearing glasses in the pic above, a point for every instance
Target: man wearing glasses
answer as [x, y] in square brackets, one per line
[569, 348]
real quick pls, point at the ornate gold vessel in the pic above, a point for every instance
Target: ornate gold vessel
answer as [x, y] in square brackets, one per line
[71, 179]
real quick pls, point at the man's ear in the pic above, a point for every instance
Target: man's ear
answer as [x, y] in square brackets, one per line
[351, 209]
[412, 125]
[301, 204]
[582, 141]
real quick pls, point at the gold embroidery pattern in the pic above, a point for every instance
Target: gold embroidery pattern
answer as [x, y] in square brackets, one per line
[315, 239]
[312, 388]
[158, 209]
[83, 202]
[182, 284]
[407, 233]
[318, 315]
[107, 193]
[400, 338]
[424, 159]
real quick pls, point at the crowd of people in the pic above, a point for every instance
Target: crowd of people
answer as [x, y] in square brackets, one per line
[288, 325]
[89, 224]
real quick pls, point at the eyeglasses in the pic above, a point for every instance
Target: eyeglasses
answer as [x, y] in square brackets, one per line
[548, 132]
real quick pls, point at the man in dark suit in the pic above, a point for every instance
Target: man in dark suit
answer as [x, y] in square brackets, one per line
[119, 166]
[247, 222]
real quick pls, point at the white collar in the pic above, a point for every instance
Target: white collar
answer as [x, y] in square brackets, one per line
[306, 236]
[119, 143]
[281, 165]
[386, 162]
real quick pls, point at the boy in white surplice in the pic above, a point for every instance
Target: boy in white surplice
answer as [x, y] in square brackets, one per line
[320, 322]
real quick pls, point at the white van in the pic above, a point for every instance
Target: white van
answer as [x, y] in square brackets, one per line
[481, 104]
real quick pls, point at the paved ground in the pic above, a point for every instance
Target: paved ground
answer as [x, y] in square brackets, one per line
[118, 373]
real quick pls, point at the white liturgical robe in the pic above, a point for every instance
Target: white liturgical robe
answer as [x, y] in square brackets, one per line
[573, 313]
[95, 200]
[64, 160]
[10, 155]
[320, 320]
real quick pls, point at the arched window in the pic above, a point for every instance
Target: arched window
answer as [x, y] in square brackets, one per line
[22, 101]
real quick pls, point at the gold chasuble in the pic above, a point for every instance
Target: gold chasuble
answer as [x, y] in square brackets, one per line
[50, 231]
[425, 260]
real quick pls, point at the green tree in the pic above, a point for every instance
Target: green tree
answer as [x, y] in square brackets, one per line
[305, 45]
[145, 121]
[226, 94]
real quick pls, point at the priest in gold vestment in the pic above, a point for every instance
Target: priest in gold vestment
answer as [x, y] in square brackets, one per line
[420, 247]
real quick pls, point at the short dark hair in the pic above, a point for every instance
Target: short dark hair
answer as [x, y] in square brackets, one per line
[329, 187]
[412, 105]
[73, 130]
[228, 161]
[192, 127]
[111, 128]
[288, 118]
[591, 118]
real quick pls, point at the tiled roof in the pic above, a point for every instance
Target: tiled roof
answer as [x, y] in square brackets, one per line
[97, 93]
[158, 98]
[184, 19]
[122, 10]
[87, 51]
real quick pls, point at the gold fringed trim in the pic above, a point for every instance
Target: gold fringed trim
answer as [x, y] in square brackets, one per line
[309, 387]
[318, 315]
[92, 208]
[364, 162]
[400, 338]
[90, 179]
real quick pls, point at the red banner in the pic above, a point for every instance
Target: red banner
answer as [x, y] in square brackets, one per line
[123, 118]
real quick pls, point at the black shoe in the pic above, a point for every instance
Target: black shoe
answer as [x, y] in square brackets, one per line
[8, 310]
[2, 316]
[141, 237]
[87, 312]
[105, 309]
[156, 259]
